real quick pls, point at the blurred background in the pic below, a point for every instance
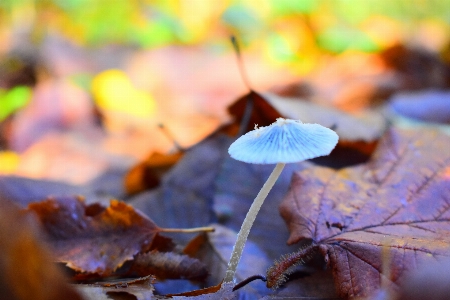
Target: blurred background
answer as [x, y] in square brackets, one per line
[85, 84]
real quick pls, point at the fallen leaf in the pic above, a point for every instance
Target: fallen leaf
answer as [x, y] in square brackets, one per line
[221, 291]
[358, 131]
[92, 238]
[186, 203]
[206, 291]
[22, 190]
[430, 281]
[416, 68]
[364, 126]
[26, 267]
[399, 200]
[429, 106]
[355, 81]
[140, 288]
[252, 109]
[147, 174]
[168, 265]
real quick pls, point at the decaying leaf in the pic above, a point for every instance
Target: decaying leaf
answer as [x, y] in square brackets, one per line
[252, 109]
[147, 174]
[364, 126]
[23, 191]
[92, 238]
[429, 106]
[399, 200]
[220, 291]
[187, 203]
[430, 281]
[26, 268]
[358, 131]
[139, 289]
[168, 265]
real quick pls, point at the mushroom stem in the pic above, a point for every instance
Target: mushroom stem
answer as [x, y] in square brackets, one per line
[248, 222]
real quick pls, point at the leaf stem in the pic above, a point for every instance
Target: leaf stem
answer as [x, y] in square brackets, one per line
[169, 135]
[240, 63]
[188, 230]
[248, 222]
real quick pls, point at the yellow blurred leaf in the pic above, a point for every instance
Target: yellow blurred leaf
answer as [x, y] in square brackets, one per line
[113, 91]
[9, 161]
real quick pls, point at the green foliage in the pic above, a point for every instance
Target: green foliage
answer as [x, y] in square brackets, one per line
[287, 30]
[12, 100]
[339, 39]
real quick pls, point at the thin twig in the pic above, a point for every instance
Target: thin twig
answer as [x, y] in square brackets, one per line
[248, 280]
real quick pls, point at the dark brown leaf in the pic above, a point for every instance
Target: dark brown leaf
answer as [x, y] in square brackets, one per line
[92, 238]
[261, 112]
[400, 200]
[220, 291]
[168, 265]
[26, 269]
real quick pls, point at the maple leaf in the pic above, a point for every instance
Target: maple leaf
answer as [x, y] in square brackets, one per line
[92, 238]
[398, 200]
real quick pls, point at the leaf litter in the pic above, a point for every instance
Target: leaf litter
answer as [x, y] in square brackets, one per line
[218, 193]
[96, 241]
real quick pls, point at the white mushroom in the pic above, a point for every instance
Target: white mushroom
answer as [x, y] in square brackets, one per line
[285, 141]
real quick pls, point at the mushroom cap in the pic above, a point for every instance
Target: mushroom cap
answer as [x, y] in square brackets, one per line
[284, 141]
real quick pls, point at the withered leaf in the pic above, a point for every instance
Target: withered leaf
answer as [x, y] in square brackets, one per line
[359, 132]
[26, 268]
[428, 106]
[92, 238]
[168, 265]
[147, 174]
[261, 112]
[399, 200]
[364, 126]
[139, 289]
[223, 291]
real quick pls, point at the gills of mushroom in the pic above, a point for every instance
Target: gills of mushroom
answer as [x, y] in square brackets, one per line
[284, 141]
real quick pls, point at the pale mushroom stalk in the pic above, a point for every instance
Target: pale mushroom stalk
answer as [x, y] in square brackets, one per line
[285, 141]
[248, 222]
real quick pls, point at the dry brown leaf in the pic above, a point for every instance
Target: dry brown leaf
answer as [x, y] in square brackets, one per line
[26, 268]
[255, 107]
[168, 265]
[92, 238]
